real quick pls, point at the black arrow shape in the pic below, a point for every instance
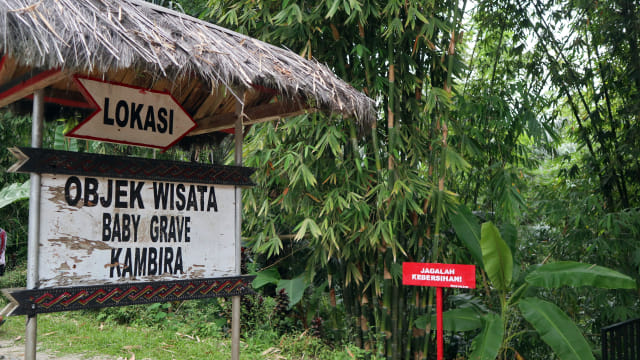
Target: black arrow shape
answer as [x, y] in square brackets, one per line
[47, 161]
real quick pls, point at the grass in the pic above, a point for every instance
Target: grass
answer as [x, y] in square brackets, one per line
[191, 330]
[78, 333]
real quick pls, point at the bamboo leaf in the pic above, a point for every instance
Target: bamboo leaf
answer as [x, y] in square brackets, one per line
[454, 161]
[487, 344]
[307, 225]
[556, 329]
[333, 9]
[569, 273]
[496, 255]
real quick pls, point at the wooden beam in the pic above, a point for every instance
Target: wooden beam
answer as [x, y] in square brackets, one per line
[7, 69]
[211, 103]
[254, 115]
[27, 84]
[65, 98]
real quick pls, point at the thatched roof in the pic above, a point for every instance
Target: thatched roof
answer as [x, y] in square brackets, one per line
[204, 66]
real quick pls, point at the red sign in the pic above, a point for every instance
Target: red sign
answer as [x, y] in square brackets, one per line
[131, 115]
[439, 275]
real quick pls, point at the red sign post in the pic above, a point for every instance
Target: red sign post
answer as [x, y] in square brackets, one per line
[439, 275]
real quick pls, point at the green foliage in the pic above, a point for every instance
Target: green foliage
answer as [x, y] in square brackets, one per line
[496, 256]
[556, 329]
[567, 273]
[468, 230]
[501, 330]
[488, 343]
[14, 192]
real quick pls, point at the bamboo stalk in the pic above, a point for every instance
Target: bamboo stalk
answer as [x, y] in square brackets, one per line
[395, 328]
[356, 315]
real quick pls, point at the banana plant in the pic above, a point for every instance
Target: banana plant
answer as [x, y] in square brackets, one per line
[14, 192]
[552, 324]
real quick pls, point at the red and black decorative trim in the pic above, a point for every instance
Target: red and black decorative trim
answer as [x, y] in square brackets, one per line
[38, 301]
[46, 161]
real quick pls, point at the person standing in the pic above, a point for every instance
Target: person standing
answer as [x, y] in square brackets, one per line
[3, 248]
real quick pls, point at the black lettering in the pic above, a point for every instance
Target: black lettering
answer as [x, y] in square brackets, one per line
[180, 202]
[107, 120]
[126, 232]
[140, 262]
[135, 195]
[152, 269]
[162, 120]
[121, 192]
[150, 121]
[115, 261]
[160, 250]
[171, 235]
[90, 192]
[153, 229]
[163, 228]
[160, 195]
[172, 201]
[178, 265]
[106, 227]
[136, 221]
[122, 119]
[180, 228]
[168, 258]
[107, 202]
[202, 190]
[213, 203]
[135, 115]
[171, 122]
[127, 263]
[116, 228]
[191, 200]
[68, 186]
[187, 229]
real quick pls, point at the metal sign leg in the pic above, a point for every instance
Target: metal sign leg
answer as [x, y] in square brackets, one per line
[34, 224]
[235, 304]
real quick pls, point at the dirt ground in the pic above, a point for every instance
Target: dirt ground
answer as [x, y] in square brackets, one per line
[14, 350]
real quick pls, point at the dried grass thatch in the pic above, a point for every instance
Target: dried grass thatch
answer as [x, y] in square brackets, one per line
[98, 36]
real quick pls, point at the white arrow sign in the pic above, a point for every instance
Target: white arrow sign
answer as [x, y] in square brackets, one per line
[131, 115]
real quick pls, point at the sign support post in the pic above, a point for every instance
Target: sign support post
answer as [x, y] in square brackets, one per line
[439, 337]
[31, 331]
[439, 276]
[235, 301]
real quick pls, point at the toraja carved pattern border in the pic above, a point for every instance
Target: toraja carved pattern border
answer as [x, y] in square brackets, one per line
[40, 301]
[47, 161]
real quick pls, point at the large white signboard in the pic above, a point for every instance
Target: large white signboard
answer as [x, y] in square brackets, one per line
[97, 230]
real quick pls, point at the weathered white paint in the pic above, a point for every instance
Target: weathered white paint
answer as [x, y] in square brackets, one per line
[133, 116]
[72, 246]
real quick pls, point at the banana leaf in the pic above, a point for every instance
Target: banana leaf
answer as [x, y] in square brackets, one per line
[14, 192]
[556, 329]
[572, 273]
[467, 229]
[487, 344]
[496, 255]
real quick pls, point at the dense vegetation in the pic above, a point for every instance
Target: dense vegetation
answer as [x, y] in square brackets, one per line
[522, 114]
